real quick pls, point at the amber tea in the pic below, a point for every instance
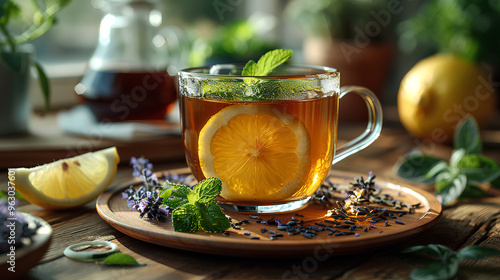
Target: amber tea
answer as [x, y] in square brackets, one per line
[271, 140]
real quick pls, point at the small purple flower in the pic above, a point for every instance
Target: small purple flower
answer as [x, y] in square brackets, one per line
[133, 161]
[136, 173]
[131, 204]
[142, 206]
[143, 161]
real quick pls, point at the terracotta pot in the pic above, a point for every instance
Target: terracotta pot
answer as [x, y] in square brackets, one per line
[365, 65]
[15, 107]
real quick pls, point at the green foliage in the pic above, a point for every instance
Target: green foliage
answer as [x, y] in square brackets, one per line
[12, 14]
[467, 28]
[445, 262]
[459, 177]
[235, 42]
[338, 19]
[197, 209]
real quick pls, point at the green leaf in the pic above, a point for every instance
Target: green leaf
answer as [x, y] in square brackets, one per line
[14, 61]
[212, 217]
[175, 195]
[250, 69]
[208, 189]
[192, 197]
[174, 202]
[436, 169]
[457, 156]
[476, 252]
[414, 167]
[267, 63]
[449, 187]
[120, 259]
[478, 168]
[467, 136]
[180, 191]
[165, 194]
[186, 218]
[472, 191]
[436, 250]
[435, 271]
[44, 85]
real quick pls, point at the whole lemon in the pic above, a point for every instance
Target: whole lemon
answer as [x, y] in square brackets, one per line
[441, 90]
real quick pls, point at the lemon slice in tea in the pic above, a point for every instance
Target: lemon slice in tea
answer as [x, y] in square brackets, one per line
[259, 152]
[67, 182]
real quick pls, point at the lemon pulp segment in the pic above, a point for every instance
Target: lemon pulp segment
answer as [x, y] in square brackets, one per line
[67, 182]
[258, 152]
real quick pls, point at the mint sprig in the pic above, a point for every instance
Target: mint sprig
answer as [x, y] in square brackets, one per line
[255, 88]
[458, 178]
[446, 261]
[266, 63]
[196, 209]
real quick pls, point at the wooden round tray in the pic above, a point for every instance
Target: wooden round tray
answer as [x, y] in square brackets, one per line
[114, 210]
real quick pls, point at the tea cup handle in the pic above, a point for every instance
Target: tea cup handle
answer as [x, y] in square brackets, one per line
[373, 128]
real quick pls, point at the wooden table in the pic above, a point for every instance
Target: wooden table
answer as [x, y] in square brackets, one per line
[474, 222]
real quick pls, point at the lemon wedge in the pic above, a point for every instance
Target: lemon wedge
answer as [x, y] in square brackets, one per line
[260, 152]
[67, 182]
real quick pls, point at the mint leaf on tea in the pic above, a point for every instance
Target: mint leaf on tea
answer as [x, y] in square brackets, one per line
[267, 63]
[251, 69]
[212, 219]
[467, 136]
[186, 218]
[120, 259]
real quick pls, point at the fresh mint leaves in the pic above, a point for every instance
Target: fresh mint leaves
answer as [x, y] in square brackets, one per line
[190, 209]
[199, 210]
[458, 178]
[267, 63]
[446, 261]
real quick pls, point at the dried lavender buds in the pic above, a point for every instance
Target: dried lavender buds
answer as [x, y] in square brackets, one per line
[364, 205]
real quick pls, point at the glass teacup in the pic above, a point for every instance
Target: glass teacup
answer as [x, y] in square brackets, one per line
[271, 140]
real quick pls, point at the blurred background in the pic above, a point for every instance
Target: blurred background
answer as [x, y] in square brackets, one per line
[363, 38]
[373, 43]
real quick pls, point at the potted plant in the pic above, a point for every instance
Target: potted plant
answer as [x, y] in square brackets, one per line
[352, 36]
[17, 58]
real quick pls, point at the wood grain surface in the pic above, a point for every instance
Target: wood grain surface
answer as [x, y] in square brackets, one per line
[472, 222]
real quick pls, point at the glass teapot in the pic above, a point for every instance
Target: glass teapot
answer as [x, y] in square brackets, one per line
[128, 75]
